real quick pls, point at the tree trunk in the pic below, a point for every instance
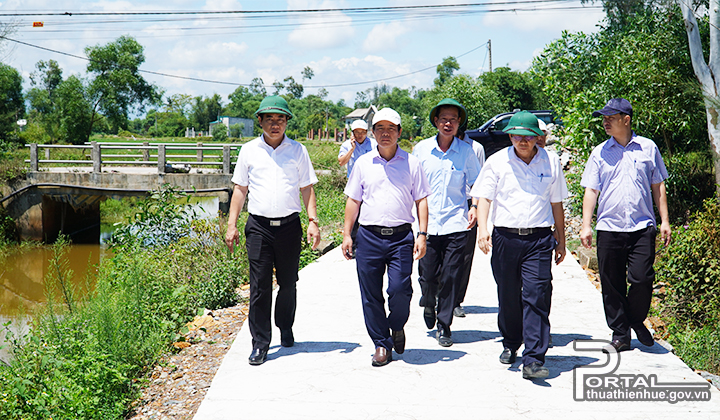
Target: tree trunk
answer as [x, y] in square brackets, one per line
[708, 75]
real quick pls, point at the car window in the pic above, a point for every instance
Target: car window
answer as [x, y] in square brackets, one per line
[501, 124]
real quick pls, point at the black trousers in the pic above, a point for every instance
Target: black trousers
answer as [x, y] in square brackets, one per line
[467, 265]
[441, 274]
[626, 257]
[267, 247]
[521, 266]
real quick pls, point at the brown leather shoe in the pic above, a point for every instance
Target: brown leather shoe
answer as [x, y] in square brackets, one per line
[382, 357]
[398, 338]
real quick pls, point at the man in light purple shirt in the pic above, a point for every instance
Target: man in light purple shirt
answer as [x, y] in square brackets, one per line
[387, 181]
[627, 173]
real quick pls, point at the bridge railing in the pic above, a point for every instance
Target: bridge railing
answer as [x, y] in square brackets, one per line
[159, 154]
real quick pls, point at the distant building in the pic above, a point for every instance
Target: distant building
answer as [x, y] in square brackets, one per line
[360, 114]
[246, 125]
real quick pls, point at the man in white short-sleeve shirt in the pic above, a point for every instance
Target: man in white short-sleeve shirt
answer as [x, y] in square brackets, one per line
[525, 188]
[272, 171]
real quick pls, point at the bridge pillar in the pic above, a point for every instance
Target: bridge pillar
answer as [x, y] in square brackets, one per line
[96, 157]
[161, 158]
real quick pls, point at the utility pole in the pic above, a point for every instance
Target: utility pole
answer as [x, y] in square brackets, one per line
[490, 53]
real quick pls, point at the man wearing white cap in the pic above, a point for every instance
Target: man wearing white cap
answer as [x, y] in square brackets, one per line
[356, 146]
[388, 182]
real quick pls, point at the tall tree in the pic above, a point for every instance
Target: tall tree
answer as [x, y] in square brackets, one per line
[116, 86]
[516, 89]
[12, 106]
[445, 70]
[206, 110]
[708, 74]
[257, 87]
[293, 88]
[74, 111]
[42, 96]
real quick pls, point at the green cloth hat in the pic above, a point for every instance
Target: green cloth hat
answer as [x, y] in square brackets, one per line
[274, 105]
[524, 124]
[448, 102]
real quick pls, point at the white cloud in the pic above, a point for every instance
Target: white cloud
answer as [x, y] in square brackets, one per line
[547, 20]
[318, 31]
[384, 37]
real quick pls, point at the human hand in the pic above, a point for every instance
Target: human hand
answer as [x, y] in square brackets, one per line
[586, 236]
[484, 241]
[420, 247]
[347, 247]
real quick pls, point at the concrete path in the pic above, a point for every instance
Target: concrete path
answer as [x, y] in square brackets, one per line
[327, 374]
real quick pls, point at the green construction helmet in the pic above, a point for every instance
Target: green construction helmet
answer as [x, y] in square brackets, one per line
[448, 102]
[274, 105]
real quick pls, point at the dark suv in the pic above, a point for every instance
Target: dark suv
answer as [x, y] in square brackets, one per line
[491, 135]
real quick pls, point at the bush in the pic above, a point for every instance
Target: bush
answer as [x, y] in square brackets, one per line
[690, 181]
[699, 348]
[219, 133]
[690, 268]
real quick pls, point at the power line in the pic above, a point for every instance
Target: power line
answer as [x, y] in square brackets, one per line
[196, 79]
[278, 12]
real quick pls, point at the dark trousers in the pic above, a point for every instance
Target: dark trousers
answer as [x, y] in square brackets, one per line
[441, 271]
[267, 247]
[467, 265]
[375, 254]
[521, 266]
[621, 256]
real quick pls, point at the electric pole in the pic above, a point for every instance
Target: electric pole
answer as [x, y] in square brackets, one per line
[490, 53]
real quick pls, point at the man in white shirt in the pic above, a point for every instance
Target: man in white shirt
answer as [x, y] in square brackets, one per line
[273, 171]
[526, 189]
[479, 150]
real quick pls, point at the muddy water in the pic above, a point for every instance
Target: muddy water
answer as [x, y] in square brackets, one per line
[23, 273]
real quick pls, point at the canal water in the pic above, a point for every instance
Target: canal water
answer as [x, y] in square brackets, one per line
[24, 270]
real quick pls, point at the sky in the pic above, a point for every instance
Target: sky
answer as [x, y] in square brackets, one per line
[348, 50]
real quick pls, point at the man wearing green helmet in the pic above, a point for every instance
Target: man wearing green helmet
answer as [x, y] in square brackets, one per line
[451, 167]
[525, 188]
[272, 171]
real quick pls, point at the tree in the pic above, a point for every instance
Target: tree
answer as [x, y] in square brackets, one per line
[206, 110]
[480, 102]
[308, 73]
[116, 86]
[12, 106]
[279, 86]
[707, 74]
[294, 88]
[42, 96]
[257, 87]
[74, 111]
[516, 89]
[243, 103]
[446, 69]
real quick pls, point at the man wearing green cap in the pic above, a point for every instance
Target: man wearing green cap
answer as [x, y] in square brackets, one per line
[525, 188]
[273, 171]
[451, 167]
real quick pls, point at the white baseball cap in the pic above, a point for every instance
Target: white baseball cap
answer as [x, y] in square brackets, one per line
[387, 114]
[542, 126]
[358, 124]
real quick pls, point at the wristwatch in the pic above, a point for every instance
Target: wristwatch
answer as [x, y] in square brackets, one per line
[422, 233]
[473, 206]
[313, 219]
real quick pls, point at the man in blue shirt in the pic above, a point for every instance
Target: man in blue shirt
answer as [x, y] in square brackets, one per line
[356, 146]
[451, 168]
[627, 173]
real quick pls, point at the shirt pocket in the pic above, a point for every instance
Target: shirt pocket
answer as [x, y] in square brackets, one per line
[541, 183]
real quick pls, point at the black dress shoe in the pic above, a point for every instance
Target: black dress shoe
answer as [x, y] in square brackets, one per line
[381, 357]
[508, 356]
[443, 336]
[459, 312]
[429, 315]
[398, 338]
[258, 356]
[618, 345]
[535, 371]
[643, 335]
[287, 339]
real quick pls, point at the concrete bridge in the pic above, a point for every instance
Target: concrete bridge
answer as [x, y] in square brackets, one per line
[55, 199]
